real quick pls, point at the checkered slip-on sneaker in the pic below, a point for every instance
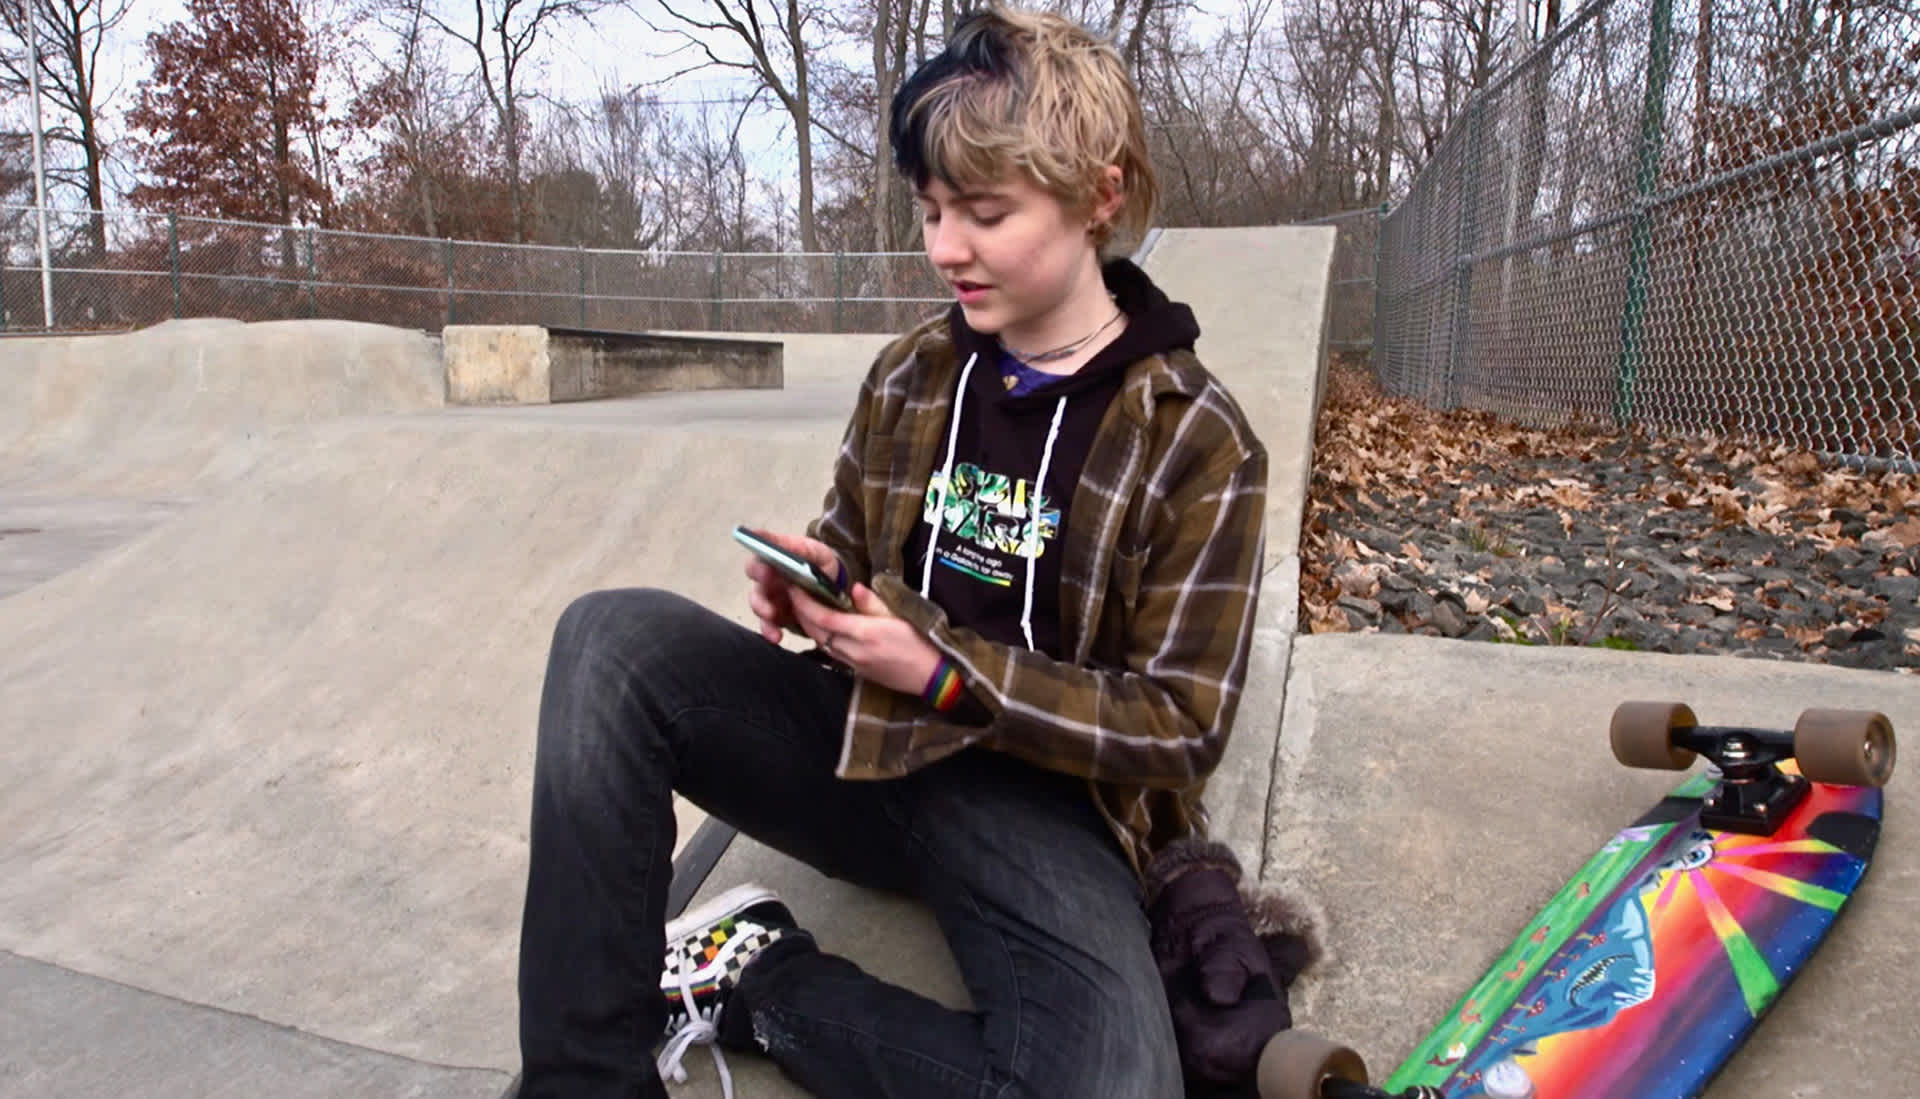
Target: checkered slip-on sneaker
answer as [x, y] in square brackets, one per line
[706, 950]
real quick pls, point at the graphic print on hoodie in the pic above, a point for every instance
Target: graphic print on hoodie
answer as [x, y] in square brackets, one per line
[995, 563]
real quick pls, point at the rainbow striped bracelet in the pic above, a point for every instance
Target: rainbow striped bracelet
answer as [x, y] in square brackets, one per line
[943, 687]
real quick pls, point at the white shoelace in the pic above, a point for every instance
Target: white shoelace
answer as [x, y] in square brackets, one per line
[700, 1030]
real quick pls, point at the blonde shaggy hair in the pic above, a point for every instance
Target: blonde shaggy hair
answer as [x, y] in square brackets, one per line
[1031, 92]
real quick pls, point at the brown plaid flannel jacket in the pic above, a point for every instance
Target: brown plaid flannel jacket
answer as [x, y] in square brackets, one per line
[1158, 585]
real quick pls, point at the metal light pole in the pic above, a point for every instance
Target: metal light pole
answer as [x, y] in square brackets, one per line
[39, 164]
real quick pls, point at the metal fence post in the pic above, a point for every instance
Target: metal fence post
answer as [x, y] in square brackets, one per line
[714, 322]
[1460, 331]
[583, 285]
[173, 258]
[839, 290]
[313, 271]
[1653, 114]
[446, 252]
[1376, 339]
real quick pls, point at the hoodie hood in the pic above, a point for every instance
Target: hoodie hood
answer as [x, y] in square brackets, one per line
[1155, 325]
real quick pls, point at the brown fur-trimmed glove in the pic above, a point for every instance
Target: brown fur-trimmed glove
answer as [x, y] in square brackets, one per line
[1226, 960]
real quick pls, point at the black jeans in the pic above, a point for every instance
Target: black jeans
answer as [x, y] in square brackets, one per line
[648, 693]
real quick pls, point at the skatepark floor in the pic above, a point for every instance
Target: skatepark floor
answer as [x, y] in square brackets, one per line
[272, 621]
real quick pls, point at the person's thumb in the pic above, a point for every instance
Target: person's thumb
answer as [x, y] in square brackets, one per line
[1223, 975]
[868, 601]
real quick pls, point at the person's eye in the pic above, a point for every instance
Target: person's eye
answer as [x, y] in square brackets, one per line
[988, 221]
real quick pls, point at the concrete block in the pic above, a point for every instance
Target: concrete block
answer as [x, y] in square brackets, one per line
[497, 364]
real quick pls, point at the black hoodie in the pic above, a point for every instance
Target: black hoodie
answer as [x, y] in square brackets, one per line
[979, 573]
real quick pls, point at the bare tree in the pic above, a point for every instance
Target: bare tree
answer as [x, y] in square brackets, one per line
[1313, 91]
[1389, 25]
[1450, 56]
[1123, 22]
[897, 25]
[427, 116]
[16, 165]
[71, 34]
[504, 36]
[613, 163]
[1214, 158]
[719, 185]
[779, 57]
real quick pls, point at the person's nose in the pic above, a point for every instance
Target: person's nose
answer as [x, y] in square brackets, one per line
[947, 245]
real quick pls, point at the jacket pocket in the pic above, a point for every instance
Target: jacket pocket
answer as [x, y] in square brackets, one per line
[1129, 568]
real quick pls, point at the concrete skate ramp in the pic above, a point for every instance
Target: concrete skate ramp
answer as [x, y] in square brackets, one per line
[152, 412]
[274, 755]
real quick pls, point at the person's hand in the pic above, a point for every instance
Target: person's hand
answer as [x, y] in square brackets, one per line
[771, 596]
[880, 646]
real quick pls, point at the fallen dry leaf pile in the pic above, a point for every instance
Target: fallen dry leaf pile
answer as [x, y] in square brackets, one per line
[1457, 524]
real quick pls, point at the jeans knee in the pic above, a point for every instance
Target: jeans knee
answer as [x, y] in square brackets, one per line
[605, 658]
[598, 618]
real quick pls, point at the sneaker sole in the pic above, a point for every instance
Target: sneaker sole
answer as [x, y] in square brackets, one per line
[730, 903]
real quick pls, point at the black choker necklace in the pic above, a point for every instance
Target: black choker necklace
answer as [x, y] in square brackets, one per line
[1064, 350]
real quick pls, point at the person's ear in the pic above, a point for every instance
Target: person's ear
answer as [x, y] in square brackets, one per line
[1109, 196]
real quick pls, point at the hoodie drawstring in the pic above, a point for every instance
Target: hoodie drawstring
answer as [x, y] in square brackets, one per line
[946, 477]
[1033, 521]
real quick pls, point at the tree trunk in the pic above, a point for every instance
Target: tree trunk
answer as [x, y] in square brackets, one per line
[802, 111]
[883, 85]
[1702, 88]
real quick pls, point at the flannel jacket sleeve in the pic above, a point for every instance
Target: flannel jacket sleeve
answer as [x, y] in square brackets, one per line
[843, 521]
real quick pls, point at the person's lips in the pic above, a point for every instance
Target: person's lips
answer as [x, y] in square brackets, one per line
[969, 292]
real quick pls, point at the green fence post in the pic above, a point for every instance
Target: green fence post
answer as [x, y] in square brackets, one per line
[839, 290]
[1653, 114]
[714, 322]
[173, 258]
[446, 253]
[583, 285]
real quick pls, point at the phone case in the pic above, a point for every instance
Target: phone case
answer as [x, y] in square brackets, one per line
[800, 571]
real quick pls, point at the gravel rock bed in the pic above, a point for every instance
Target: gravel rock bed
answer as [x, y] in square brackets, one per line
[1456, 525]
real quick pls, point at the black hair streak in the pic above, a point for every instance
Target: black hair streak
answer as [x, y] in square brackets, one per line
[977, 48]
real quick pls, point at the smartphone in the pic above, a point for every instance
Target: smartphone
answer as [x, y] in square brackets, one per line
[801, 572]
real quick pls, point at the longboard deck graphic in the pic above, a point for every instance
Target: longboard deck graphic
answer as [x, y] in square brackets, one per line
[1648, 970]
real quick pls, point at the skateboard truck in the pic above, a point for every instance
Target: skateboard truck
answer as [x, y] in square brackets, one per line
[1754, 794]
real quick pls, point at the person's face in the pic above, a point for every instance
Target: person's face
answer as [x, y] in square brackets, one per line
[1012, 252]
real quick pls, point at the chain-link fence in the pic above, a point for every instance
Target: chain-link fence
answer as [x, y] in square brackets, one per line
[1351, 295]
[125, 270]
[1696, 218]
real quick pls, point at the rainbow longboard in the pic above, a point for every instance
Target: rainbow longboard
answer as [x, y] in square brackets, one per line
[1653, 964]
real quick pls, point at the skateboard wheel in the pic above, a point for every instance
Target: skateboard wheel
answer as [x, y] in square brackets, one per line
[1295, 1064]
[1642, 735]
[1844, 747]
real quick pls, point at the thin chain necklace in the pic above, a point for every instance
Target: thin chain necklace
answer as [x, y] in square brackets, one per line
[1065, 350]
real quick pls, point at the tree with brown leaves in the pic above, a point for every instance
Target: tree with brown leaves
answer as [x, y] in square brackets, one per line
[237, 124]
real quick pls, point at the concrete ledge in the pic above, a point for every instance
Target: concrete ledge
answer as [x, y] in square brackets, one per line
[527, 364]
